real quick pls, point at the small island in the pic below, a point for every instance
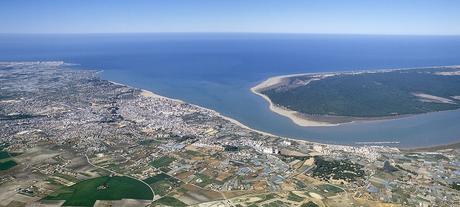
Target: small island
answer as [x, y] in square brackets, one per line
[325, 99]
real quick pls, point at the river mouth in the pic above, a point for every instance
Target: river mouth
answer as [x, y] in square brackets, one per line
[217, 73]
[237, 102]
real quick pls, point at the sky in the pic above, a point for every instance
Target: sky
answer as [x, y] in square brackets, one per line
[400, 17]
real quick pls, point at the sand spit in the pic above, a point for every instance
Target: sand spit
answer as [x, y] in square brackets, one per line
[303, 120]
[295, 116]
[433, 99]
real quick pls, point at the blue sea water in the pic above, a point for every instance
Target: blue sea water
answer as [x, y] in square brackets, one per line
[217, 70]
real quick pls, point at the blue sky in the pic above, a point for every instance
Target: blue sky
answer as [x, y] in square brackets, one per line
[418, 17]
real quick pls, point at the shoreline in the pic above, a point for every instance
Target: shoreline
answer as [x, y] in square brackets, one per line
[453, 145]
[302, 120]
[147, 93]
[294, 116]
[150, 94]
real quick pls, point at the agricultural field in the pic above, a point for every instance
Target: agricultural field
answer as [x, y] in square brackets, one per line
[162, 162]
[163, 183]
[169, 201]
[4, 154]
[7, 164]
[329, 190]
[85, 193]
[5, 158]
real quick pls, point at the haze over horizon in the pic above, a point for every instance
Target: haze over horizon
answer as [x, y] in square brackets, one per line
[405, 17]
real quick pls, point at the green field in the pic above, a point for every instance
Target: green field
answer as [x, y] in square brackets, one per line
[85, 193]
[329, 190]
[276, 204]
[4, 154]
[293, 197]
[7, 164]
[169, 201]
[163, 183]
[455, 186]
[309, 204]
[205, 180]
[162, 162]
[370, 94]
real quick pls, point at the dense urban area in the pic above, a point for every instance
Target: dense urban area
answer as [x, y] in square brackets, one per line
[69, 138]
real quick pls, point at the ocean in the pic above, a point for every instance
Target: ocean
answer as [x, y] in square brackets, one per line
[216, 70]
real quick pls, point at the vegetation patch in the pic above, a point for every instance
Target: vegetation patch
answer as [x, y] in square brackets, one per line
[17, 116]
[329, 190]
[204, 180]
[455, 186]
[67, 177]
[337, 169]
[163, 183]
[309, 204]
[85, 193]
[276, 203]
[4, 155]
[266, 197]
[7, 165]
[370, 94]
[231, 148]
[162, 162]
[293, 197]
[169, 201]
[149, 142]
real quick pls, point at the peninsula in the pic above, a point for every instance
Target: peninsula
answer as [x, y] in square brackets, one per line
[325, 99]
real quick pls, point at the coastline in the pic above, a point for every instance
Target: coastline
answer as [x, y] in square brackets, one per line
[147, 93]
[293, 115]
[449, 146]
[150, 94]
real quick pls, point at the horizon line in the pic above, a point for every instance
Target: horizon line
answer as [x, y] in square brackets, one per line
[179, 32]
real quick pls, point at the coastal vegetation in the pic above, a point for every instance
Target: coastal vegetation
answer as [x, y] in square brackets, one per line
[370, 94]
